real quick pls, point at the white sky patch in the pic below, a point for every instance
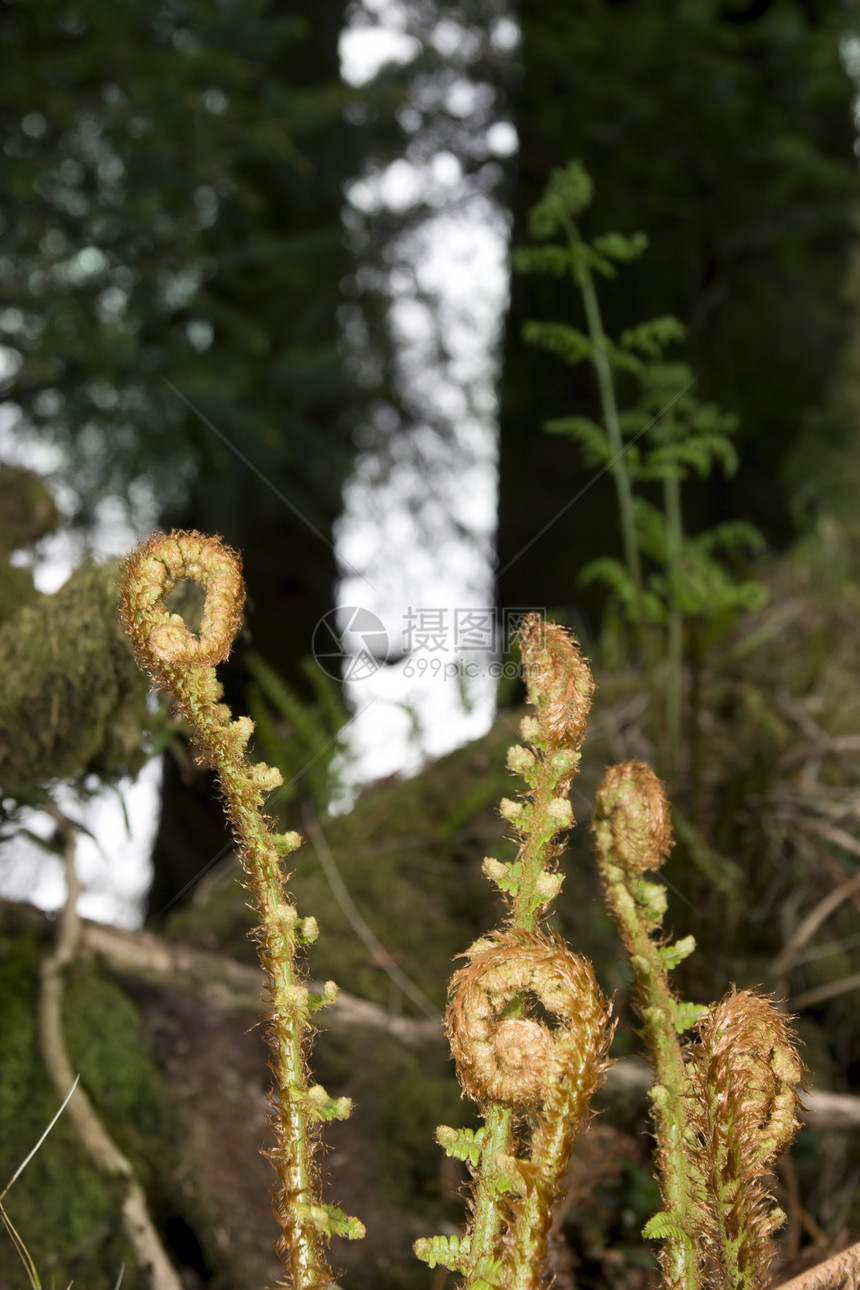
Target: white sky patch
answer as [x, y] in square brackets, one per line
[113, 866]
[424, 534]
[419, 519]
[373, 39]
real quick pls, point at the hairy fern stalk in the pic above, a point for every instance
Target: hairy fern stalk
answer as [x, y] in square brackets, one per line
[532, 1082]
[184, 664]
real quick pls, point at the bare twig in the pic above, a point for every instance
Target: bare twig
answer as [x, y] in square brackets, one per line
[363, 931]
[833, 867]
[811, 923]
[830, 990]
[821, 742]
[838, 836]
[222, 981]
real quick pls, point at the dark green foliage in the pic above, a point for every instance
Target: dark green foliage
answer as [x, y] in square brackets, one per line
[161, 216]
[725, 133]
[677, 591]
[301, 738]
[665, 436]
[73, 702]
[172, 212]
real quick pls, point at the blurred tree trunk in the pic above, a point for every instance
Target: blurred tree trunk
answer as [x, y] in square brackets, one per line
[280, 395]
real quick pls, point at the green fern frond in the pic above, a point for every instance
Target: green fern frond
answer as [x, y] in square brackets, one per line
[451, 1252]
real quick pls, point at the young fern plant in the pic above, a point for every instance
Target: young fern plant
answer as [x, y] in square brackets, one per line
[567, 195]
[661, 439]
[184, 664]
[694, 580]
[532, 1083]
[723, 1107]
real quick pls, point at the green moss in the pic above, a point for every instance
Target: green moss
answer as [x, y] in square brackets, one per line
[27, 513]
[27, 509]
[103, 1033]
[65, 1211]
[73, 702]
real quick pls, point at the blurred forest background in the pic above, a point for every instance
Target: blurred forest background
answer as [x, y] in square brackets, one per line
[229, 236]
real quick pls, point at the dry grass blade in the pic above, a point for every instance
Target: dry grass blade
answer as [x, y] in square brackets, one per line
[23, 1165]
[23, 1252]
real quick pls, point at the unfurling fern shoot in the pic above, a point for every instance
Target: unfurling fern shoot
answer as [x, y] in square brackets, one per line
[724, 1109]
[510, 1062]
[184, 664]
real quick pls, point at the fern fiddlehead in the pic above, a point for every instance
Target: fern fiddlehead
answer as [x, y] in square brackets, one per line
[509, 1062]
[724, 1106]
[633, 836]
[183, 663]
[744, 1070]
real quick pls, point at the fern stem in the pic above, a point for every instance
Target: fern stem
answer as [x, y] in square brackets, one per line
[489, 1213]
[675, 626]
[584, 280]
[507, 1060]
[632, 835]
[183, 663]
[668, 1095]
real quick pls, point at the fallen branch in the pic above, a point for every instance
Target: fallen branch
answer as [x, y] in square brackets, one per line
[841, 1272]
[225, 982]
[833, 867]
[173, 965]
[830, 990]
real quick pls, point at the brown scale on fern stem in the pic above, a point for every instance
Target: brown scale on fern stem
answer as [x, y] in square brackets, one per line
[559, 681]
[744, 1071]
